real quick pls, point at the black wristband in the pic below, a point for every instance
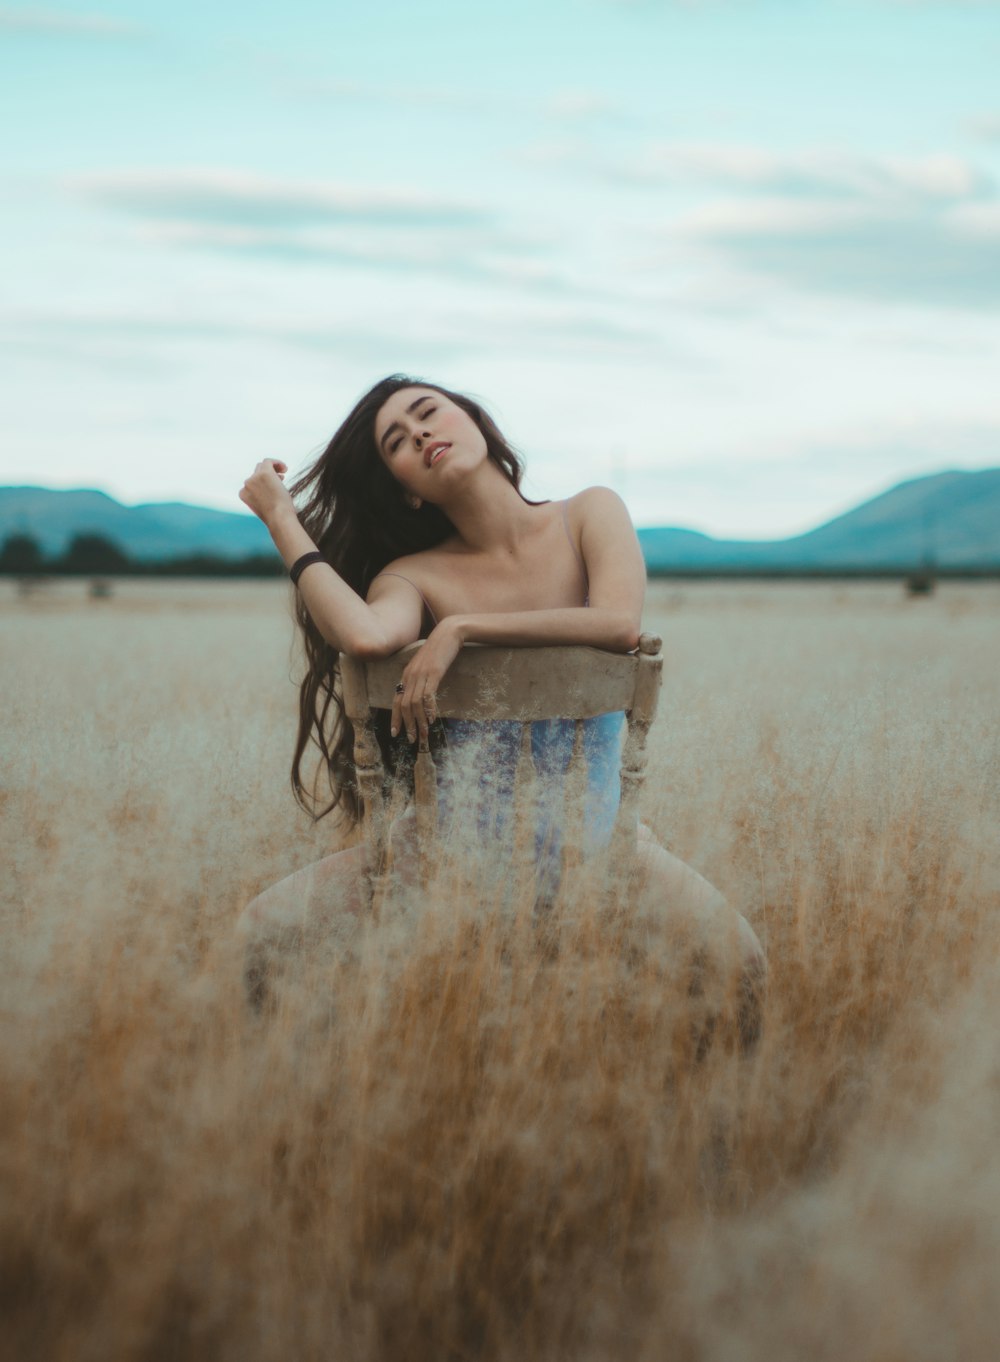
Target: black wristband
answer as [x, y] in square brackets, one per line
[300, 565]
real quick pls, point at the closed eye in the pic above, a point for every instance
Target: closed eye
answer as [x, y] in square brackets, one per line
[427, 411]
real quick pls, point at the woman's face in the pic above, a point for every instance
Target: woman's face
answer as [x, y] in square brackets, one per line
[427, 441]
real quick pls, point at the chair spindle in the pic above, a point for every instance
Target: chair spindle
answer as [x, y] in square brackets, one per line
[525, 797]
[367, 763]
[574, 794]
[633, 769]
[425, 793]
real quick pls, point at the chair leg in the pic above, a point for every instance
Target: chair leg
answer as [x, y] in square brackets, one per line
[750, 990]
[256, 987]
[750, 1012]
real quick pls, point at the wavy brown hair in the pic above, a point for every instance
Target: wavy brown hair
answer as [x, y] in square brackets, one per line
[356, 513]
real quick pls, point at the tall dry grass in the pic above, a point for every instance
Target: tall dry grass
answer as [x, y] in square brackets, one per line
[452, 1140]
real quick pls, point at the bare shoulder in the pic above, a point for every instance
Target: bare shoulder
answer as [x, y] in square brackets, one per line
[597, 509]
[600, 522]
[420, 569]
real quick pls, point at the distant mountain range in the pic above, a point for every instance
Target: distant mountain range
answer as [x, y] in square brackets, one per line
[158, 530]
[952, 519]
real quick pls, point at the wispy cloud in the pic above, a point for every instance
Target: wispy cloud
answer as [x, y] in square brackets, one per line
[485, 256]
[114, 335]
[947, 260]
[316, 223]
[985, 126]
[921, 230]
[348, 89]
[884, 448]
[936, 177]
[228, 198]
[575, 104]
[578, 105]
[61, 22]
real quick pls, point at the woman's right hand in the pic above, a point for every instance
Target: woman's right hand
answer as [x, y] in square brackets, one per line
[265, 493]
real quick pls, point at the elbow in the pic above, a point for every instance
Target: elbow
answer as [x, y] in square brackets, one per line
[366, 644]
[367, 647]
[630, 638]
[625, 635]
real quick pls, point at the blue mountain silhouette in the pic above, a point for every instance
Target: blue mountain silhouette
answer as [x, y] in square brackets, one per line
[950, 518]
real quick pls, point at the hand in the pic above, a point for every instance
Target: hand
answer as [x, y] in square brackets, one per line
[415, 707]
[264, 491]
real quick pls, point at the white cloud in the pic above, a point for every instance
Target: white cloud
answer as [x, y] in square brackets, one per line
[943, 260]
[911, 230]
[578, 104]
[985, 126]
[939, 176]
[109, 337]
[728, 218]
[318, 223]
[486, 256]
[978, 220]
[236, 199]
[55, 21]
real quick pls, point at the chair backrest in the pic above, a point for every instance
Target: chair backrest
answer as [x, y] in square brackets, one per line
[524, 684]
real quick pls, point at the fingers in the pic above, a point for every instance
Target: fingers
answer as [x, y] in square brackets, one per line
[414, 709]
[264, 489]
[272, 466]
[402, 709]
[424, 713]
[414, 715]
[406, 709]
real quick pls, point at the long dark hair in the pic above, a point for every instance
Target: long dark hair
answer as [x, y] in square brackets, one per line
[356, 513]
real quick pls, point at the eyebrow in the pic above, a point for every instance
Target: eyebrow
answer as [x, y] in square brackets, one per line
[424, 397]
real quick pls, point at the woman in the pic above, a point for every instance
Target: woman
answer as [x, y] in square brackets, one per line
[413, 525]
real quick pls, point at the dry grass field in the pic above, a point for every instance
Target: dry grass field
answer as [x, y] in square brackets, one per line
[447, 1143]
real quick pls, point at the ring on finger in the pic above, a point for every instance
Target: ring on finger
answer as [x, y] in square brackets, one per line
[401, 687]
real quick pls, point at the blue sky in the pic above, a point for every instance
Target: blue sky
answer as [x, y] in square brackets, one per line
[739, 259]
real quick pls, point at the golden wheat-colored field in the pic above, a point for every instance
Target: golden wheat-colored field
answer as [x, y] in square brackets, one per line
[448, 1143]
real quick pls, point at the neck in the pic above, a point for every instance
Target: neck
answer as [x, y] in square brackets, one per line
[488, 512]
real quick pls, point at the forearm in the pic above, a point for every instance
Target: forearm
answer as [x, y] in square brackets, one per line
[342, 617]
[613, 630]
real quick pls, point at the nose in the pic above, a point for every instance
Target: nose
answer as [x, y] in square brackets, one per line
[426, 436]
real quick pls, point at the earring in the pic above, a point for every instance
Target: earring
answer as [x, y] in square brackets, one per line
[414, 503]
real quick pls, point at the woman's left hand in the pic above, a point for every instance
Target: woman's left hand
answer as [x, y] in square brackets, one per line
[415, 707]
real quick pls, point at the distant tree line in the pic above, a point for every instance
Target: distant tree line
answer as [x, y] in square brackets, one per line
[94, 555]
[848, 572]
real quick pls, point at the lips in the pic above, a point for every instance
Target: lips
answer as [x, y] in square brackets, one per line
[433, 453]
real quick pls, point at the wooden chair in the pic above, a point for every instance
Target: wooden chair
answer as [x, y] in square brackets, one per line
[524, 684]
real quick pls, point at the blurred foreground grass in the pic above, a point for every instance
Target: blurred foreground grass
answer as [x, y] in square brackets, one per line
[450, 1144]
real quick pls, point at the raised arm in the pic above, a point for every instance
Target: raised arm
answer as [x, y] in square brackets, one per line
[386, 622]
